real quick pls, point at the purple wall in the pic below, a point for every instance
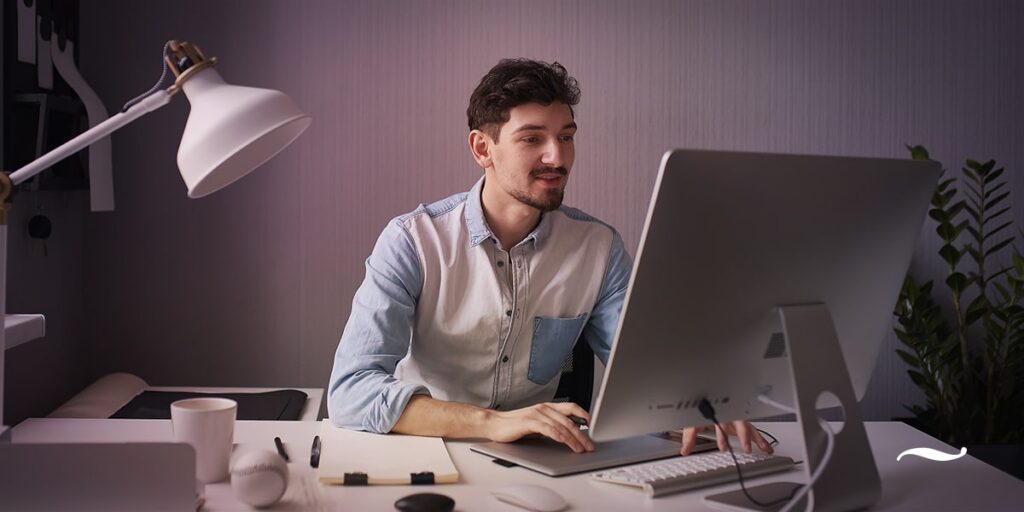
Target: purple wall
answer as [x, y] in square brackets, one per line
[252, 286]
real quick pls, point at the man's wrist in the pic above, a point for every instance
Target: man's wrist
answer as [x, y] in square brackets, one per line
[426, 416]
[484, 419]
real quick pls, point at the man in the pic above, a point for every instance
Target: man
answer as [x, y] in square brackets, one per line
[471, 304]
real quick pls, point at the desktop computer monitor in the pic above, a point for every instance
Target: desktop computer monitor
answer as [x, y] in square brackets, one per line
[729, 238]
[762, 275]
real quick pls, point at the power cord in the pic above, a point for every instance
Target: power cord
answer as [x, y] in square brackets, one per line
[159, 83]
[708, 412]
[830, 441]
[774, 442]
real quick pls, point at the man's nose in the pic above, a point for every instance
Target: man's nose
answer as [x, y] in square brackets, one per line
[552, 155]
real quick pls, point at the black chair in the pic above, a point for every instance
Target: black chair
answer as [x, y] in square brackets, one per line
[576, 383]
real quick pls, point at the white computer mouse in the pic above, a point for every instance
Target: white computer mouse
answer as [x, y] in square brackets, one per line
[531, 497]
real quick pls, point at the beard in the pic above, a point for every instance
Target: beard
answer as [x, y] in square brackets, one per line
[549, 199]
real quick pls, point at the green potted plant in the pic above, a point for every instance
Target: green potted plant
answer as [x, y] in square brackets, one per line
[965, 349]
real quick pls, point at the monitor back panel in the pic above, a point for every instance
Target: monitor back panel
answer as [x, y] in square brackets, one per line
[728, 238]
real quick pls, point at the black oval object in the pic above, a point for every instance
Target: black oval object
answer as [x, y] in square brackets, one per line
[425, 502]
[39, 226]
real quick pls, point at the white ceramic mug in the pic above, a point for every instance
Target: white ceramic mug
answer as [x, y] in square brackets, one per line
[208, 424]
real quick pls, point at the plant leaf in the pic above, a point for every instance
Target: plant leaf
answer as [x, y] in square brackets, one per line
[911, 361]
[973, 212]
[951, 254]
[919, 379]
[918, 152]
[939, 215]
[992, 176]
[1018, 263]
[1003, 292]
[993, 190]
[974, 194]
[960, 227]
[975, 255]
[956, 209]
[992, 217]
[978, 308]
[993, 277]
[946, 231]
[957, 282]
[996, 200]
[996, 231]
[995, 248]
[975, 234]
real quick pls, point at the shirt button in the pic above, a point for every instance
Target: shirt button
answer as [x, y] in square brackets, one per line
[508, 312]
[501, 263]
[504, 359]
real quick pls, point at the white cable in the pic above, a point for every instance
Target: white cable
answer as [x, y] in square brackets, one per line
[159, 83]
[778, 405]
[830, 441]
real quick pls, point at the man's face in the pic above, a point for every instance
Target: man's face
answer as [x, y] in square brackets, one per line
[534, 154]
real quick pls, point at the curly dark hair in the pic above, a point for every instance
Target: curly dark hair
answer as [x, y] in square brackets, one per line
[513, 82]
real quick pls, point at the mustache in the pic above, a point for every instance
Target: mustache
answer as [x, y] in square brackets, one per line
[549, 170]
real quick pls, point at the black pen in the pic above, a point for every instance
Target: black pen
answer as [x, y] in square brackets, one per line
[314, 453]
[280, 449]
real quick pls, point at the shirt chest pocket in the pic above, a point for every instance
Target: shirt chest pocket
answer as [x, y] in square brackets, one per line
[553, 339]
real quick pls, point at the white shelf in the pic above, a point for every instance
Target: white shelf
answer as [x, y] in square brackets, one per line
[20, 329]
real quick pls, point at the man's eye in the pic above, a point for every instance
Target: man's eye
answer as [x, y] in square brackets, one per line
[530, 140]
[568, 138]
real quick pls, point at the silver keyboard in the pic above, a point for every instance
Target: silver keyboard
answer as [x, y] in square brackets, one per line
[693, 471]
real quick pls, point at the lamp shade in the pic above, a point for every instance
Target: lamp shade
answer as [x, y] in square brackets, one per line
[232, 130]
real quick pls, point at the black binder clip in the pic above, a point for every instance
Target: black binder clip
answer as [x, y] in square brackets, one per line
[424, 478]
[355, 479]
[314, 453]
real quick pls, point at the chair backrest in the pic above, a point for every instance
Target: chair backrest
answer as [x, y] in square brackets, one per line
[576, 383]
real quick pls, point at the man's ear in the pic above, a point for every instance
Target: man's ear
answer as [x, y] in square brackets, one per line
[480, 146]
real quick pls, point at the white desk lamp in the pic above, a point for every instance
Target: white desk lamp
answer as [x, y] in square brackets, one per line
[231, 130]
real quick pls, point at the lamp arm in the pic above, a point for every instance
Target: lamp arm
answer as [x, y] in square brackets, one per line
[8, 182]
[85, 139]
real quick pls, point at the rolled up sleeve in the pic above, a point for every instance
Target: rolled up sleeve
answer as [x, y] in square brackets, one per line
[604, 319]
[364, 393]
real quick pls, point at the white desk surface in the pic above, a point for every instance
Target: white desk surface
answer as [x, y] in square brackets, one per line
[912, 484]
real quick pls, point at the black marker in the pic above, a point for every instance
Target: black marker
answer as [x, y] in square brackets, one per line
[280, 449]
[314, 453]
[578, 420]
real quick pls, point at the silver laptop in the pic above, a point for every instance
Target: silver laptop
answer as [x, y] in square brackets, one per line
[555, 459]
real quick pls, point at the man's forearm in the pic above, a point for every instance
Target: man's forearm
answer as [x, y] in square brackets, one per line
[425, 416]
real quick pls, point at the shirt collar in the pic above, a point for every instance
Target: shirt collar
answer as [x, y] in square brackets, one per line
[480, 231]
[540, 233]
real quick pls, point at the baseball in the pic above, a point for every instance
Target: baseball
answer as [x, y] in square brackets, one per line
[259, 477]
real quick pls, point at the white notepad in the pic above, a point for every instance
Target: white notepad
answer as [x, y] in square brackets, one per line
[349, 457]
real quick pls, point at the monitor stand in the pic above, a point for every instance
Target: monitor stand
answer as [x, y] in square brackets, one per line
[850, 480]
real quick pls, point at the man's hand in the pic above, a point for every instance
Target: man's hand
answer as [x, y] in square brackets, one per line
[548, 419]
[741, 429]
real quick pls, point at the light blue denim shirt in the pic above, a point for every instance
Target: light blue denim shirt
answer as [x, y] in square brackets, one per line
[445, 311]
